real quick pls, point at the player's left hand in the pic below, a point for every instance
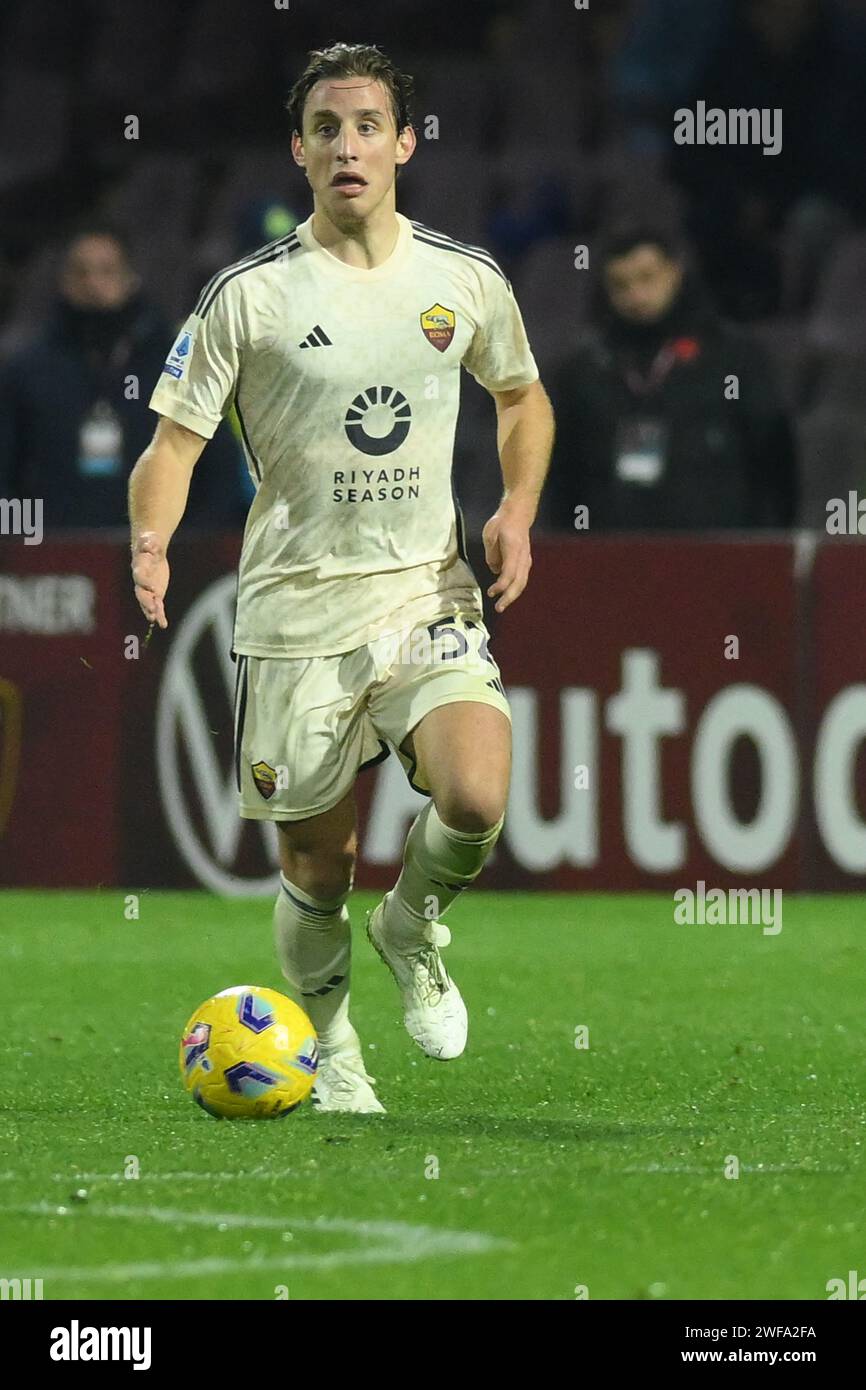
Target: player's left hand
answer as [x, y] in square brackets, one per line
[508, 555]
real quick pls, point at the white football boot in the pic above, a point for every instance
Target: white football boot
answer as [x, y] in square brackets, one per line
[433, 1010]
[342, 1084]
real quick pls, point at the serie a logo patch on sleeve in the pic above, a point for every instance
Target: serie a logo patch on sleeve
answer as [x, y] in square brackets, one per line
[178, 359]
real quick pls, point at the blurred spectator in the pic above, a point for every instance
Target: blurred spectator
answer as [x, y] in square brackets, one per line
[665, 52]
[647, 437]
[261, 220]
[74, 413]
[519, 218]
[806, 58]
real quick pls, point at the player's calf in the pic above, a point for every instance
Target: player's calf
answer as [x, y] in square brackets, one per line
[311, 922]
[314, 944]
[439, 862]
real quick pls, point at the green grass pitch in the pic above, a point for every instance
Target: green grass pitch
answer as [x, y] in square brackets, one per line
[558, 1166]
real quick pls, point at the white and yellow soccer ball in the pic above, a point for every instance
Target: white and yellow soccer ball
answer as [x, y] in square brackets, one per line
[249, 1053]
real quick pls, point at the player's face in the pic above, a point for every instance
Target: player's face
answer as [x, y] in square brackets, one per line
[350, 146]
[642, 285]
[95, 274]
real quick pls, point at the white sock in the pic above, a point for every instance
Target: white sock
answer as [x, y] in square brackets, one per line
[438, 863]
[314, 945]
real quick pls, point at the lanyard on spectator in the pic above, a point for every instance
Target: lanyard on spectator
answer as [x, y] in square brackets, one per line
[115, 361]
[100, 439]
[662, 363]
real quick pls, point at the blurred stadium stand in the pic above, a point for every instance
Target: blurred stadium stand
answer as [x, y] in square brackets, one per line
[534, 156]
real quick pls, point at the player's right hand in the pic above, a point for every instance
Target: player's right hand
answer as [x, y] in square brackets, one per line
[150, 575]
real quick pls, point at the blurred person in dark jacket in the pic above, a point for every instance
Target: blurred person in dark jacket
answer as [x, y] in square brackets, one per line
[73, 403]
[803, 58]
[667, 418]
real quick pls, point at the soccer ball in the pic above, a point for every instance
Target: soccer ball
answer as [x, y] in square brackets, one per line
[248, 1053]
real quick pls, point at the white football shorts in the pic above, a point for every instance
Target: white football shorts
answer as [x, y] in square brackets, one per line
[306, 726]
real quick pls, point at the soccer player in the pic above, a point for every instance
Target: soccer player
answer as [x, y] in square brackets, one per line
[358, 620]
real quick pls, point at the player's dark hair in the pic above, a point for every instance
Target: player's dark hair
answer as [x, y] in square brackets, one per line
[622, 238]
[96, 227]
[352, 60]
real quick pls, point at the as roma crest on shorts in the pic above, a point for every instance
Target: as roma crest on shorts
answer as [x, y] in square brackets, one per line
[265, 778]
[437, 325]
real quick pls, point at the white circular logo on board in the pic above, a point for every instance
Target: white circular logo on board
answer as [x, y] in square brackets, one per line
[198, 790]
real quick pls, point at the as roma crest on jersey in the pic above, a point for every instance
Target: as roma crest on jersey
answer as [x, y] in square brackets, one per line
[437, 325]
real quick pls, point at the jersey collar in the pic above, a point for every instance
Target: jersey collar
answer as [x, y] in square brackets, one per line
[332, 265]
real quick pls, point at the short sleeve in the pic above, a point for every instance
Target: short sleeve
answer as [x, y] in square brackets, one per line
[197, 384]
[499, 355]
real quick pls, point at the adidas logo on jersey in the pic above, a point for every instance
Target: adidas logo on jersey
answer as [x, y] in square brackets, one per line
[318, 338]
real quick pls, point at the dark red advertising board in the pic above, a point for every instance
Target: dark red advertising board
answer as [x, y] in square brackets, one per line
[62, 682]
[668, 696]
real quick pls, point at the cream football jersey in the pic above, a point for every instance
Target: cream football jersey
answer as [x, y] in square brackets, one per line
[346, 384]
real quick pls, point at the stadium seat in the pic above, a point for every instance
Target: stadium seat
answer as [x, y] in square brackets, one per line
[554, 297]
[256, 175]
[630, 186]
[159, 191]
[539, 105]
[155, 203]
[33, 122]
[50, 36]
[840, 381]
[230, 86]
[433, 189]
[813, 229]
[784, 342]
[34, 292]
[459, 91]
[832, 460]
[838, 319]
[220, 55]
[132, 55]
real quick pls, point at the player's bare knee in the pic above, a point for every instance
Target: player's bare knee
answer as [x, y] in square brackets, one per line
[472, 813]
[326, 889]
[324, 874]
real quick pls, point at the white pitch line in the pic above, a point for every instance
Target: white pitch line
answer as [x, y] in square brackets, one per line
[399, 1243]
[178, 1216]
[192, 1269]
